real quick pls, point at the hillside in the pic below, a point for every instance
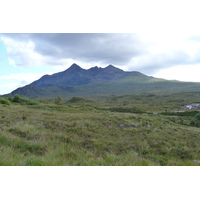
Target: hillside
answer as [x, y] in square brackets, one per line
[76, 81]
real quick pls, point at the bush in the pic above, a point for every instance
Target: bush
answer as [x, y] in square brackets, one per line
[23, 100]
[5, 101]
[196, 120]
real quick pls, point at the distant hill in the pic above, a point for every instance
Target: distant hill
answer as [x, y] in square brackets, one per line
[76, 81]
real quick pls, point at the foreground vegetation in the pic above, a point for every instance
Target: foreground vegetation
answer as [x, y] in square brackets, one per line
[144, 129]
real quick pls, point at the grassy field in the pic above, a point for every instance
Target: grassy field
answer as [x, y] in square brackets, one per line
[129, 130]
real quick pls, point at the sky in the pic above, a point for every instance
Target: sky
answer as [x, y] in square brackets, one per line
[157, 38]
[25, 57]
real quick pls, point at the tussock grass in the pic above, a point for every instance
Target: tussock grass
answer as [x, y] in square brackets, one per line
[108, 132]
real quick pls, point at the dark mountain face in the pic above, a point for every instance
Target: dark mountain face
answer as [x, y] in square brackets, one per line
[72, 76]
[75, 76]
[29, 91]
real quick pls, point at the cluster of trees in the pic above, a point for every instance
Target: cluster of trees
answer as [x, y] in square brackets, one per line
[17, 99]
[24, 100]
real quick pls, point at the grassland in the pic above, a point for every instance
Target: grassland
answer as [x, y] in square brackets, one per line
[129, 130]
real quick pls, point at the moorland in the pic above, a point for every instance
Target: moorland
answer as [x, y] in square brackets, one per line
[115, 130]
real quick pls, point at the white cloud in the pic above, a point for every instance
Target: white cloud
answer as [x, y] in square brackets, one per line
[10, 85]
[189, 73]
[25, 78]
[21, 53]
[13, 81]
[6, 88]
[166, 50]
[11, 62]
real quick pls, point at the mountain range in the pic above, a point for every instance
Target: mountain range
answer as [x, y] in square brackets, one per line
[76, 81]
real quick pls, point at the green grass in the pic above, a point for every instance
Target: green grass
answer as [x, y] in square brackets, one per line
[134, 130]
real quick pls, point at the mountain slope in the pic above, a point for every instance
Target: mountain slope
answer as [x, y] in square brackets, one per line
[76, 81]
[75, 75]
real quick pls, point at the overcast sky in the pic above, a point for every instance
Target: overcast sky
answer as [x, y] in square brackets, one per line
[157, 38]
[26, 57]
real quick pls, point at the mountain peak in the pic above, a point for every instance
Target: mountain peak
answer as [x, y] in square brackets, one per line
[74, 66]
[93, 68]
[113, 68]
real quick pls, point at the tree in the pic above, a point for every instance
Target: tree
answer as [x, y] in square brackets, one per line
[58, 100]
[16, 98]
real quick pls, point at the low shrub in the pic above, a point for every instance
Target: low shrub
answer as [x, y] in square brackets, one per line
[32, 161]
[77, 100]
[5, 101]
[125, 110]
[186, 113]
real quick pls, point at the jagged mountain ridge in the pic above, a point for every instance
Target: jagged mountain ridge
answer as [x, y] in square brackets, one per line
[75, 75]
[76, 81]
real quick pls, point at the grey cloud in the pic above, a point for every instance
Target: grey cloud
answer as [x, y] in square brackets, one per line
[106, 48]
[101, 47]
[150, 63]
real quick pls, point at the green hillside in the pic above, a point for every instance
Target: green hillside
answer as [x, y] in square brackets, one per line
[125, 86]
